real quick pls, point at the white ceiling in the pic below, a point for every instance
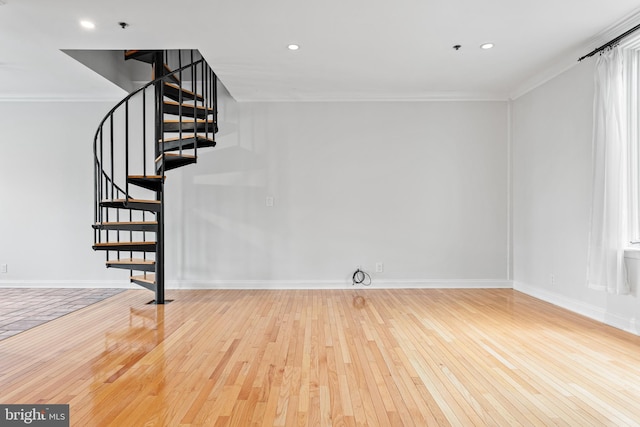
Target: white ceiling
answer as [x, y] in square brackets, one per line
[350, 49]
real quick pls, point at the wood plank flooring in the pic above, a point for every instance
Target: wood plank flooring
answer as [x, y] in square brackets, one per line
[334, 357]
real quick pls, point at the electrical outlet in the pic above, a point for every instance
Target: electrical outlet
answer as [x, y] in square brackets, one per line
[3, 268]
[379, 267]
[552, 279]
[269, 201]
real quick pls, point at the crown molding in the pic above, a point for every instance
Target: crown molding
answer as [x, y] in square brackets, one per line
[569, 59]
[423, 97]
[28, 98]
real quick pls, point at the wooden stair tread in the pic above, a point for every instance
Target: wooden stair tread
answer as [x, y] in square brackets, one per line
[128, 261]
[133, 204]
[105, 244]
[147, 177]
[138, 226]
[180, 88]
[185, 136]
[149, 182]
[187, 124]
[186, 109]
[130, 201]
[125, 247]
[147, 278]
[175, 156]
[143, 226]
[127, 222]
[187, 94]
[131, 52]
[199, 107]
[141, 55]
[188, 120]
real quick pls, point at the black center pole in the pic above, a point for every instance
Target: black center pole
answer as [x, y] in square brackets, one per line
[158, 66]
[160, 249]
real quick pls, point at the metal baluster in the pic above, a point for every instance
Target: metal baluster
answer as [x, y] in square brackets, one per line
[126, 150]
[99, 184]
[158, 110]
[101, 165]
[194, 87]
[204, 86]
[104, 194]
[112, 165]
[144, 132]
[144, 156]
[96, 187]
[126, 166]
[214, 83]
[180, 99]
[118, 220]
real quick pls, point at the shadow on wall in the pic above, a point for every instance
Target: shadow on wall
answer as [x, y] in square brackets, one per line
[223, 217]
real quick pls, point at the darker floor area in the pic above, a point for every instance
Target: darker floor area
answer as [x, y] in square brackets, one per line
[25, 308]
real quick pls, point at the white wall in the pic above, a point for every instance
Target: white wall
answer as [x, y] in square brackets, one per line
[46, 195]
[421, 187]
[551, 149]
[418, 186]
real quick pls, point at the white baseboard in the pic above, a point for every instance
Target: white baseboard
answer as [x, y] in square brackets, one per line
[264, 284]
[336, 284]
[589, 310]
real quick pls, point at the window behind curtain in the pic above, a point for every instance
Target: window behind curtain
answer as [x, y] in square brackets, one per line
[632, 81]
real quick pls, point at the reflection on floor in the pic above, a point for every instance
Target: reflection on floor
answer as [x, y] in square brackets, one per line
[25, 308]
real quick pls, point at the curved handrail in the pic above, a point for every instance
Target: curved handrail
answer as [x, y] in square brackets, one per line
[115, 143]
[123, 101]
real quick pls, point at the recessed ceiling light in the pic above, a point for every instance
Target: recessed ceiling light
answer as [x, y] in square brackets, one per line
[87, 24]
[293, 47]
[486, 46]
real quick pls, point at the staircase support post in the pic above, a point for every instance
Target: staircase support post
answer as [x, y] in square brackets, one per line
[160, 249]
[158, 66]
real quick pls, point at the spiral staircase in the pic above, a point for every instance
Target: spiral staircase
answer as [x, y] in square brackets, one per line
[159, 127]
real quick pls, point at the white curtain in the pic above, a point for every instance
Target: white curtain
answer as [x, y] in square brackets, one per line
[609, 234]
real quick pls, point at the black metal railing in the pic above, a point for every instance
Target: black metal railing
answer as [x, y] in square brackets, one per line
[129, 134]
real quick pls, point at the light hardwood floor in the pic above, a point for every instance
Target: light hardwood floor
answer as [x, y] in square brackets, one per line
[334, 357]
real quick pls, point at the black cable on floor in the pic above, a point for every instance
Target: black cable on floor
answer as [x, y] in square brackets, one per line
[361, 278]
